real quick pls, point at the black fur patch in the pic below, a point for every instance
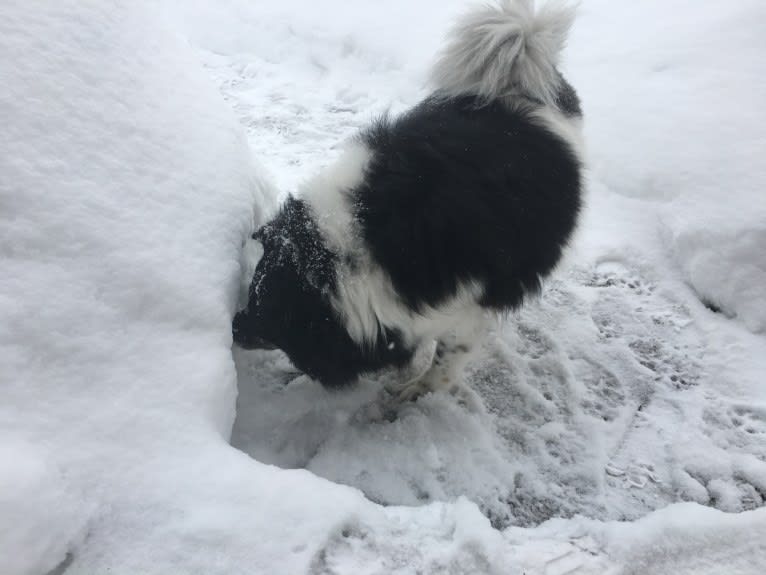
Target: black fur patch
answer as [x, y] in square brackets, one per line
[567, 99]
[461, 190]
[289, 305]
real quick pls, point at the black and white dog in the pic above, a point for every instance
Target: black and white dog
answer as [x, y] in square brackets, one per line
[432, 222]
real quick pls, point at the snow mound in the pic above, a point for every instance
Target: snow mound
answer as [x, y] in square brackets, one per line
[688, 539]
[678, 112]
[41, 518]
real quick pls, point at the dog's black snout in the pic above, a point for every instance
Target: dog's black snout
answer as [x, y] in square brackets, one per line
[243, 333]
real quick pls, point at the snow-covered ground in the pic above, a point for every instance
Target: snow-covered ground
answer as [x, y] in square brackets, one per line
[624, 419]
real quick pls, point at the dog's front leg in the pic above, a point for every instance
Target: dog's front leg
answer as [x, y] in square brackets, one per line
[453, 351]
[445, 372]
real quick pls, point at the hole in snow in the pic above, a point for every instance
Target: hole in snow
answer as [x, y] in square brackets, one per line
[710, 305]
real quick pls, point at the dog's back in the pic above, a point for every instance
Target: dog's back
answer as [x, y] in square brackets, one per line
[480, 183]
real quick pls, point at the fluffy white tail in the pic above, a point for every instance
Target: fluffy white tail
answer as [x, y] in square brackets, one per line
[506, 49]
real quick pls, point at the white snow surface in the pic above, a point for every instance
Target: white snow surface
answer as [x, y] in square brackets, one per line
[624, 421]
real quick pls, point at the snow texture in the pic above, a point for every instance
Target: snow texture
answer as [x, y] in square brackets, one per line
[621, 425]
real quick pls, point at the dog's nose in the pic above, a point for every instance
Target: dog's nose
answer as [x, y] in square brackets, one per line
[237, 327]
[243, 336]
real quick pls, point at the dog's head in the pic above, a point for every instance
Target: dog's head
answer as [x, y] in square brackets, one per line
[290, 304]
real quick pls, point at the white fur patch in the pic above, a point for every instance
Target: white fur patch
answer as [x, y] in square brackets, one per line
[367, 300]
[568, 128]
[328, 196]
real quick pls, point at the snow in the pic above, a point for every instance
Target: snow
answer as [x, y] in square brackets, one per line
[40, 518]
[623, 427]
[679, 109]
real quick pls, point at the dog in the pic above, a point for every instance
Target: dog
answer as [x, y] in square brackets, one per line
[433, 222]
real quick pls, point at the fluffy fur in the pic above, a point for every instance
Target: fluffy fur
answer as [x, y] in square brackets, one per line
[506, 51]
[433, 221]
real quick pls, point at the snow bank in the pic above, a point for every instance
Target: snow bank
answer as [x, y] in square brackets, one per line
[41, 517]
[673, 96]
[681, 539]
[127, 189]
[688, 539]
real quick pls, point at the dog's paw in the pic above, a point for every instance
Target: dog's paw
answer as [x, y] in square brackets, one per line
[414, 391]
[403, 391]
[467, 398]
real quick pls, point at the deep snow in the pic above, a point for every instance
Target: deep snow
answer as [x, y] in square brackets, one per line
[126, 190]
